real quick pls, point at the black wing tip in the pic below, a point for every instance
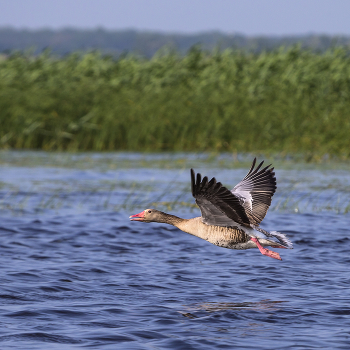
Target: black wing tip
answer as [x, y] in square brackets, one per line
[199, 184]
[253, 170]
[252, 166]
[196, 181]
[266, 169]
[193, 181]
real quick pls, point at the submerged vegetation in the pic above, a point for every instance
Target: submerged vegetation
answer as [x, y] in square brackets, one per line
[64, 183]
[283, 102]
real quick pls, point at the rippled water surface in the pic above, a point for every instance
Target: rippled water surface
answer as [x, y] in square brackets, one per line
[75, 273]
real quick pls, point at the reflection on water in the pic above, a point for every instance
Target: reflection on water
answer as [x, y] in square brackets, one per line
[253, 314]
[267, 305]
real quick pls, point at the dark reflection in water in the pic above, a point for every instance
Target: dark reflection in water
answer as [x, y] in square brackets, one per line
[85, 277]
[267, 305]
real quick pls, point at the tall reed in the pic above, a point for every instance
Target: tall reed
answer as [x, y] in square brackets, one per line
[284, 101]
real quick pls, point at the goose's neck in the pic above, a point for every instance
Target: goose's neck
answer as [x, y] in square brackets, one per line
[192, 226]
[171, 220]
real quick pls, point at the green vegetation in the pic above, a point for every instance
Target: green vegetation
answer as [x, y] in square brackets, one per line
[286, 101]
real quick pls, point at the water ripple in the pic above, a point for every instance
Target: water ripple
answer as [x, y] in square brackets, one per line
[76, 273]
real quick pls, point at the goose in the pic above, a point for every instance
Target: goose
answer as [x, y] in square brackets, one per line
[229, 219]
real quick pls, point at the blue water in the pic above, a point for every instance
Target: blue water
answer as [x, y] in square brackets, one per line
[75, 273]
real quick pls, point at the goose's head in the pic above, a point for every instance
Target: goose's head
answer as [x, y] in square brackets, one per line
[149, 215]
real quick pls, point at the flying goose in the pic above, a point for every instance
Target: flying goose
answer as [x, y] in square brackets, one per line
[230, 219]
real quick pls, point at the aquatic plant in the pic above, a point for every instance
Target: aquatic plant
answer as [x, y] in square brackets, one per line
[286, 101]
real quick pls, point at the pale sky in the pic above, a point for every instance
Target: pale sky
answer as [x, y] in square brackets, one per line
[249, 17]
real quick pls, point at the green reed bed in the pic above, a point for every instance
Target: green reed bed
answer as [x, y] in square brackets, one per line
[285, 101]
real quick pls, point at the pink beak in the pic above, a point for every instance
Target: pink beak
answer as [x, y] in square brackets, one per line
[137, 217]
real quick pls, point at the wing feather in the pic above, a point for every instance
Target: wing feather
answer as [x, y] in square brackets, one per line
[255, 191]
[218, 205]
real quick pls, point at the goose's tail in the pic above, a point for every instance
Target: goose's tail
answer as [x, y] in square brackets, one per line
[282, 238]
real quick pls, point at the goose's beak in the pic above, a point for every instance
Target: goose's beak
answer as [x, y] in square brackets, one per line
[137, 217]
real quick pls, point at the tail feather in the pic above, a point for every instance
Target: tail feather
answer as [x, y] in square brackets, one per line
[282, 238]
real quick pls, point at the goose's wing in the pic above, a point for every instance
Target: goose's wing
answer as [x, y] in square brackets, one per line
[217, 204]
[255, 192]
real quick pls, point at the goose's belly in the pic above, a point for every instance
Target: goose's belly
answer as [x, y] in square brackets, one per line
[234, 245]
[229, 237]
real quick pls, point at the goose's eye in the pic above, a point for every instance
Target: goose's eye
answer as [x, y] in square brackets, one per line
[150, 211]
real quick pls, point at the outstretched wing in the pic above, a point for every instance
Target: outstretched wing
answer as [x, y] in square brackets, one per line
[255, 192]
[217, 204]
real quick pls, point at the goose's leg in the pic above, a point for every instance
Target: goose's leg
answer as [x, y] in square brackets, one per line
[265, 251]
